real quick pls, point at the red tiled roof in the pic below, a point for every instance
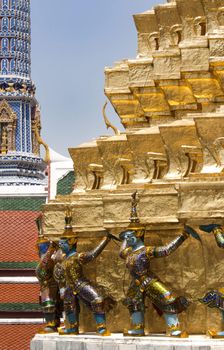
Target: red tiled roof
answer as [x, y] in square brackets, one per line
[17, 337]
[19, 293]
[18, 235]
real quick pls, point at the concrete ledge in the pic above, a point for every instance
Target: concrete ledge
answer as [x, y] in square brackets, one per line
[118, 342]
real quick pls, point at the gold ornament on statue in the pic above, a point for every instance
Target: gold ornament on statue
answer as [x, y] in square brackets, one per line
[39, 223]
[134, 219]
[68, 230]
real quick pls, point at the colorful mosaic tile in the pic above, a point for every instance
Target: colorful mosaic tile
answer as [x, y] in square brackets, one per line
[21, 203]
[65, 185]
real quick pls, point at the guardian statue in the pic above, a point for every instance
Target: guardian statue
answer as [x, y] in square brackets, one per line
[215, 298]
[49, 290]
[144, 282]
[78, 288]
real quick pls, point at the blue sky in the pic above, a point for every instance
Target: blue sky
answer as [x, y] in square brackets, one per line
[72, 42]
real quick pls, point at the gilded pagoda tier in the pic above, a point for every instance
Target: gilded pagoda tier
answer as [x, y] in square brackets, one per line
[183, 151]
[179, 66]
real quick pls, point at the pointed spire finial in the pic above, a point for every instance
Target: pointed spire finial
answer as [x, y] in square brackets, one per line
[134, 215]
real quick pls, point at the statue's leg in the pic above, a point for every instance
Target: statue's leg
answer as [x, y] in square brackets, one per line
[221, 333]
[215, 299]
[219, 303]
[59, 308]
[173, 325]
[169, 305]
[71, 310]
[48, 304]
[217, 335]
[100, 316]
[92, 297]
[137, 321]
[55, 295]
[135, 303]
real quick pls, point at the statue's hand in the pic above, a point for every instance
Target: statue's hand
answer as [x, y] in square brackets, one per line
[110, 236]
[209, 228]
[62, 293]
[54, 245]
[191, 232]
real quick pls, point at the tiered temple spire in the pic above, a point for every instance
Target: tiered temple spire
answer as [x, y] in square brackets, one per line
[19, 113]
[15, 38]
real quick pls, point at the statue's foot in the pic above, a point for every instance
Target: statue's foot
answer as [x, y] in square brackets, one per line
[68, 331]
[216, 335]
[103, 331]
[179, 334]
[48, 328]
[135, 332]
[174, 331]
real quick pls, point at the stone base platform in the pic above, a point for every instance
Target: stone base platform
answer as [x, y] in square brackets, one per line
[118, 342]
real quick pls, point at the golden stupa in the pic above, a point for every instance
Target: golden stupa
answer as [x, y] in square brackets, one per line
[170, 99]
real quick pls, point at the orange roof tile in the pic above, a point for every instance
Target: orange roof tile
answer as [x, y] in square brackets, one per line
[18, 235]
[19, 293]
[17, 337]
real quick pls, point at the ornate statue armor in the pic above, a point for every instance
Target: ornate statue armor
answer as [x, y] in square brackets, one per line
[215, 298]
[144, 282]
[49, 291]
[78, 287]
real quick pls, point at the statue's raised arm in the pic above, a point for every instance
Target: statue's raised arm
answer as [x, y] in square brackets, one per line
[218, 232]
[169, 248]
[87, 257]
